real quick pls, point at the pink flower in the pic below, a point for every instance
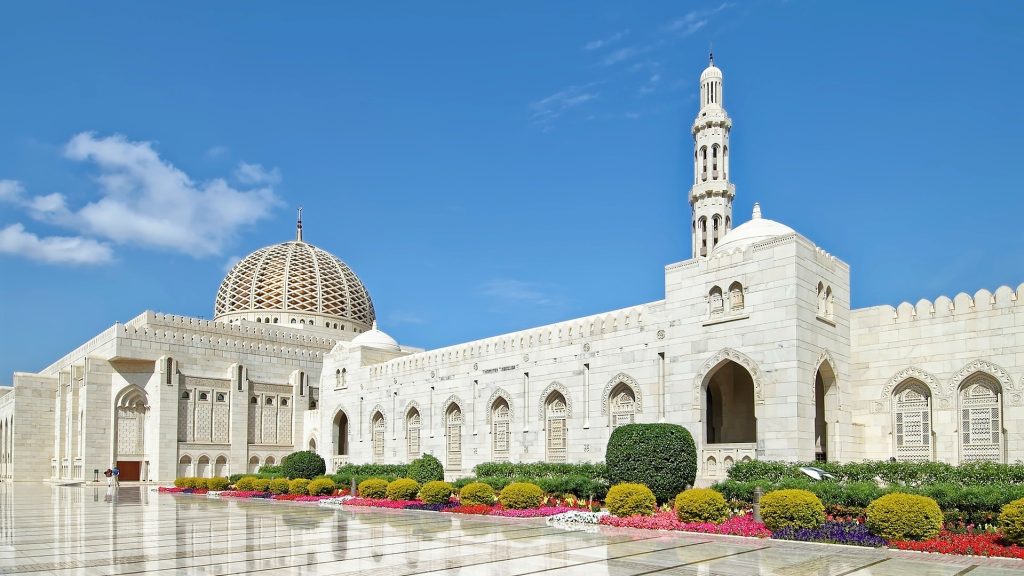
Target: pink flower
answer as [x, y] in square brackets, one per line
[735, 526]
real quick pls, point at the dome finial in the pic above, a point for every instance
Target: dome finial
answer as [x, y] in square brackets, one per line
[757, 211]
[298, 227]
[711, 53]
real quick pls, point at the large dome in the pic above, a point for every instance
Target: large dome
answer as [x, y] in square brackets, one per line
[295, 283]
[756, 230]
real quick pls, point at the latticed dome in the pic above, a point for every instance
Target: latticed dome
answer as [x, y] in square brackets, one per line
[295, 283]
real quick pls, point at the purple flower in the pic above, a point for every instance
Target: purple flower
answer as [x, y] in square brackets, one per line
[834, 533]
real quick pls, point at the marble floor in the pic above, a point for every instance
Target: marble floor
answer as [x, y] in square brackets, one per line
[87, 530]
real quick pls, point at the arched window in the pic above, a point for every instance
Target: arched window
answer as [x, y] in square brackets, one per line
[185, 466]
[829, 304]
[339, 378]
[293, 320]
[253, 400]
[501, 430]
[702, 229]
[377, 423]
[716, 302]
[269, 401]
[622, 402]
[185, 395]
[221, 397]
[203, 467]
[714, 162]
[254, 465]
[704, 163]
[821, 299]
[453, 433]
[716, 229]
[981, 420]
[269, 461]
[203, 397]
[735, 297]
[284, 401]
[341, 434]
[555, 426]
[729, 414]
[412, 434]
[220, 467]
[912, 421]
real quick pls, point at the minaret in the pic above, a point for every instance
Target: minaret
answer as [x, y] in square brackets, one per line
[712, 193]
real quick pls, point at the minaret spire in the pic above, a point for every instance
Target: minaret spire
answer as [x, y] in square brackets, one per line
[712, 193]
[298, 227]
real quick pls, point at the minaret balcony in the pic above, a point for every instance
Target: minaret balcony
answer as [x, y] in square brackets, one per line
[712, 188]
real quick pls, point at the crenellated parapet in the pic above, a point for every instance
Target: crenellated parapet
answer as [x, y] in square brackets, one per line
[942, 307]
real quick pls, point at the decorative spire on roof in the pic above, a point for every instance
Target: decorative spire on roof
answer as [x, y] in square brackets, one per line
[298, 227]
[711, 54]
[757, 211]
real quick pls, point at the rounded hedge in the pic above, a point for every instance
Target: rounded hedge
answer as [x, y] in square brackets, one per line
[217, 483]
[303, 464]
[436, 492]
[661, 456]
[701, 505]
[246, 483]
[298, 486]
[373, 488]
[792, 509]
[261, 484]
[321, 487]
[476, 493]
[521, 495]
[425, 469]
[279, 486]
[403, 489]
[630, 499]
[185, 482]
[1011, 522]
[899, 516]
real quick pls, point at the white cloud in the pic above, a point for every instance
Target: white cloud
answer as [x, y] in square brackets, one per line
[53, 249]
[623, 54]
[553, 106]
[148, 201]
[217, 152]
[693, 21]
[651, 85]
[11, 191]
[231, 263]
[257, 174]
[518, 291]
[598, 44]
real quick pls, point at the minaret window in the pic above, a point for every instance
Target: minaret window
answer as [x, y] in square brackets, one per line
[714, 232]
[714, 162]
[716, 302]
[704, 163]
[735, 297]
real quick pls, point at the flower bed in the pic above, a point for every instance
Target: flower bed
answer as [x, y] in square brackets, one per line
[735, 526]
[244, 494]
[380, 502]
[833, 532]
[482, 509]
[971, 544]
[578, 517]
[531, 512]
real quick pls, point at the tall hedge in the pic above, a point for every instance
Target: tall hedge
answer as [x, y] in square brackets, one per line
[661, 456]
[425, 469]
[901, 473]
[304, 464]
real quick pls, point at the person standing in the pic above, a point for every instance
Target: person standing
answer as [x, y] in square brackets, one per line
[116, 472]
[110, 476]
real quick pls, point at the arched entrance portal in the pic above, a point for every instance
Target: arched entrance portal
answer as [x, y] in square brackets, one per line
[826, 403]
[340, 434]
[130, 430]
[729, 406]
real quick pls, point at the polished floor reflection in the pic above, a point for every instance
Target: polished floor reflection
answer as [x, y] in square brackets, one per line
[89, 530]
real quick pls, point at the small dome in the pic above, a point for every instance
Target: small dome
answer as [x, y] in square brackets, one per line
[756, 230]
[375, 338]
[711, 71]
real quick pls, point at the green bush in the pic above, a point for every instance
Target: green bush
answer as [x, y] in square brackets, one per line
[521, 495]
[185, 482]
[661, 456]
[272, 469]
[321, 487]
[246, 483]
[630, 499]
[261, 484]
[373, 488]
[303, 464]
[435, 492]
[701, 505]
[792, 509]
[279, 486]
[235, 478]
[900, 516]
[403, 489]
[1011, 522]
[537, 470]
[898, 473]
[217, 483]
[476, 493]
[425, 469]
[298, 486]
[579, 486]
[360, 472]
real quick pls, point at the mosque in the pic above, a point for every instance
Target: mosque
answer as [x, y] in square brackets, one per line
[754, 349]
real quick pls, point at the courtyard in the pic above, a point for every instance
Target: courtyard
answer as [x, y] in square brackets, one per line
[93, 530]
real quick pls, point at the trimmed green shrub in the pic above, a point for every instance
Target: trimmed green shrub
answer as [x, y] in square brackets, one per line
[521, 495]
[1011, 522]
[476, 493]
[900, 473]
[435, 492]
[425, 469]
[537, 470]
[321, 487]
[701, 505]
[298, 486]
[630, 499]
[403, 489]
[373, 488]
[661, 456]
[579, 486]
[235, 478]
[900, 516]
[279, 486]
[185, 482]
[217, 484]
[261, 484]
[272, 469]
[360, 472]
[303, 464]
[792, 509]
[246, 483]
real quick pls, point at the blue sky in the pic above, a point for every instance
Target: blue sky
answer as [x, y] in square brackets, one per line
[486, 168]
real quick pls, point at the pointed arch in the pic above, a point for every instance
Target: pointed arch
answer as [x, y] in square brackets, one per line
[409, 407]
[979, 366]
[720, 358]
[499, 392]
[453, 399]
[621, 378]
[554, 387]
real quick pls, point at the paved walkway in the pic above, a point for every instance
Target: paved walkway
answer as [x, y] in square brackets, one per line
[87, 531]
